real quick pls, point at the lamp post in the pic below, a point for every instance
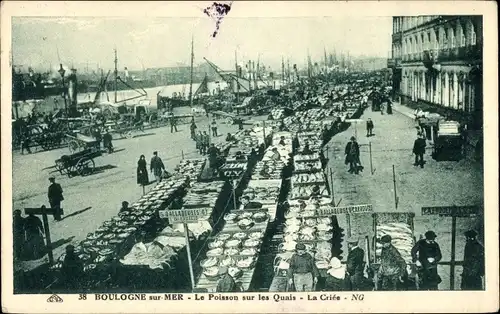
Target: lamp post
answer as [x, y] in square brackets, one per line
[62, 71]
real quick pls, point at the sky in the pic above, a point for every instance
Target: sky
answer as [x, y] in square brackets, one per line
[146, 42]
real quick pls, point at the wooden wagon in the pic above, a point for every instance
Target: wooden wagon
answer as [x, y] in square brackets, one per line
[81, 163]
[80, 142]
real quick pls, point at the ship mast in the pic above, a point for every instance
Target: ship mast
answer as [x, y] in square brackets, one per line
[191, 81]
[237, 81]
[116, 76]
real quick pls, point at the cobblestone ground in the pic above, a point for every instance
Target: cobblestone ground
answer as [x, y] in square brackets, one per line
[441, 183]
[92, 199]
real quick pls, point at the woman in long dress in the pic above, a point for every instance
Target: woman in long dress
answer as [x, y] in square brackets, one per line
[142, 171]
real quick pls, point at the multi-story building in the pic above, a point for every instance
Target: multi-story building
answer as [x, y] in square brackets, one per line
[437, 64]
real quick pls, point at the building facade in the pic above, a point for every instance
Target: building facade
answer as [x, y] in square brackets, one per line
[437, 65]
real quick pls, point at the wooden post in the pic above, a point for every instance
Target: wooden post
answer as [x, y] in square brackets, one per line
[182, 154]
[395, 192]
[332, 187]
[234, 194]
[264, 131]
[371, 162]
[191, 274]
[47, 237]
[348, 218]
[452, 260]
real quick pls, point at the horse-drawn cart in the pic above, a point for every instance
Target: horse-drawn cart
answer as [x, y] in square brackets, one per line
[81, 142]
[81, 162]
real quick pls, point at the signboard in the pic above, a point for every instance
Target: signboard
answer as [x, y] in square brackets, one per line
[163, 214]
[353, 120]
[41, 211]
[329, 211]
[187, 215]
[450, 211]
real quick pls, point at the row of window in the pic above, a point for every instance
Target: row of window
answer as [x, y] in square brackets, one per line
[446, 89]
[403, 23]
[448, 36]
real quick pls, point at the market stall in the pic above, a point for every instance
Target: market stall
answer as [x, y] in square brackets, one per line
[236, 246]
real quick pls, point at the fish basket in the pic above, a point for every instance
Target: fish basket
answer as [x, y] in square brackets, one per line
[260, 219]
[238, 258]
[246, 227]
[212, 278]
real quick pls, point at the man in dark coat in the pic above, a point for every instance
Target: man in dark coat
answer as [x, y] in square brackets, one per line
[35, 245]
[72, 269]
[352, 155]
[157, 167]
[355, 264]
[473, 266]
[302, 272]
[369, 127]
[173, 124]
[392, 265]
[55, 195]
[193, 128]
[19, 236]
[427, 254]
[419, 151]
[213, 158]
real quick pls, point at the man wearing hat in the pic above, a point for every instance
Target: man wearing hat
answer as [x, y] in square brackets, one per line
[426, 254]
[473, 266]
[392, 265]
[157, 167]
[355, 264]
[352, 155]
[226, 282]
[302, 272]
[419, 150]
[55, 195]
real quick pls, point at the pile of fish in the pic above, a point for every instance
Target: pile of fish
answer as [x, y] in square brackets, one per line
[277, 113]
[314, 232]
[191, 167]
[305, 191]
[287, 138]
[402, 238]
[312, 139]
[284, 152]
[257, 193]
[237, 251]
[247, 219]
[274, 169]
[154, 255]
[203, 195]
[102, 245]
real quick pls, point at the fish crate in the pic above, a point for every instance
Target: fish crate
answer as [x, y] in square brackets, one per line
[393, 217]
[388, 217]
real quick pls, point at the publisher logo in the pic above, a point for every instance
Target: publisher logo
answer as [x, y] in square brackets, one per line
[55, 299]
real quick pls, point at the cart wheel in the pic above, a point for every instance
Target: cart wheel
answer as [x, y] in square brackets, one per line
[229, 121]
[129, 134]
[73, 146]
[60, 166]
[85, 166]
